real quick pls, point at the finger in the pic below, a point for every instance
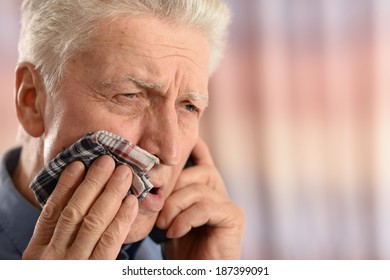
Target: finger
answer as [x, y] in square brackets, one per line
[204, 170]
[201, 154]
[196, 174]
[115, 235]
[201, 174]
[81, 201]
[197, 215]
[67, 183]
[102, 212]
[183, 199]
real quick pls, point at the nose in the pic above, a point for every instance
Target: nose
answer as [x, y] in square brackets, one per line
[161, 135]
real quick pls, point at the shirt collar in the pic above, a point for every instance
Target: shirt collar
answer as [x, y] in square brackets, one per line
[17, 215]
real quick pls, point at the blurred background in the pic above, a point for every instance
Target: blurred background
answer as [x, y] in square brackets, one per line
[299, 124]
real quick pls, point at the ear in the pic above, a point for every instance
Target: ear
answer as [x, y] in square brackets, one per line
[29, 99]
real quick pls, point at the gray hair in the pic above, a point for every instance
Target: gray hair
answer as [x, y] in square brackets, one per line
[53, 31]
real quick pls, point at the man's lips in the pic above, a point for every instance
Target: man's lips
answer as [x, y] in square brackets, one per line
[154, 200]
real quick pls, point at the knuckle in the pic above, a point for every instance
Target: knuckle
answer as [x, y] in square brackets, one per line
[236, 216]
[202, 189]
[93, 223]
[91, 182]
[48, 218]
[241, 216]
[206, 205]
[241, 212]
[109, 238]
[49, 212]
[71, 215]
[204, 209]
[116, 193]
[124, 219]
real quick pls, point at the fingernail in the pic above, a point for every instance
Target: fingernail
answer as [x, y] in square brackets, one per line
[170, 233]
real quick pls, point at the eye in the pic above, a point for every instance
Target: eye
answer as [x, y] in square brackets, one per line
[130, 95]
[128, 98]
[191, 108]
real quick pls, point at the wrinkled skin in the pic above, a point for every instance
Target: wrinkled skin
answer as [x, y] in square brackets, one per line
[146, 81]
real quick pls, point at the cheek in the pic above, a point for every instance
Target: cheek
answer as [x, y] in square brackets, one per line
[65, 123]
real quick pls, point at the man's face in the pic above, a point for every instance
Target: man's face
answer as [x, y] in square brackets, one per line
[144, 80]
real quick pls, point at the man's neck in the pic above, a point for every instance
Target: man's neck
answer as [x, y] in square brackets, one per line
[28, 166]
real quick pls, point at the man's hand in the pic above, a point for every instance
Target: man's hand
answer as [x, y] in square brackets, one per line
[202, 222]
[87, 216]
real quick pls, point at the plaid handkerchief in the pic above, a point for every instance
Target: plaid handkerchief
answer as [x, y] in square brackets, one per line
[87, 149]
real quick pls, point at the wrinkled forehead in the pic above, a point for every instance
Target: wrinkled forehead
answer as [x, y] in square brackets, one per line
[151, 31]
[147, 51]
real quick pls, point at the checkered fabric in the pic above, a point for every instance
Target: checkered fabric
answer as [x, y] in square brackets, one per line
[87, 149]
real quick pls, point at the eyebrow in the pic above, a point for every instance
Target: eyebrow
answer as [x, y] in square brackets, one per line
[139, 82]
[197, 96]
[142, 83]
[193, 95]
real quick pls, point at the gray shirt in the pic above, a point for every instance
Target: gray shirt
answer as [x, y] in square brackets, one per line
[18, 217]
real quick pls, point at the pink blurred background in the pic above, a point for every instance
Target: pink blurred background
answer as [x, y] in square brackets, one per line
[298, 124]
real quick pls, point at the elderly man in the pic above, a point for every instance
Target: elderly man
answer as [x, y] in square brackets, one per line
[136, 71]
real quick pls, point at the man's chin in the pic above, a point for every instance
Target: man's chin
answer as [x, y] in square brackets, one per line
[141, 228]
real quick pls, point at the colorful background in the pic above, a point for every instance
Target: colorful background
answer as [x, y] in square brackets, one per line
[299, 124]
